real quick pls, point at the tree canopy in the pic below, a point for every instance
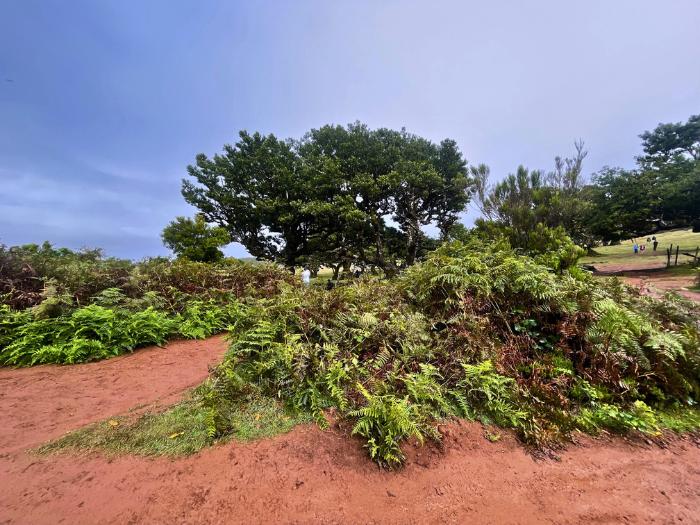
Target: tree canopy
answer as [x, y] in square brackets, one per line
[337, 196]
[662, 192]
[344, 195]
[525, 199]
[667, 141]
[195, 240]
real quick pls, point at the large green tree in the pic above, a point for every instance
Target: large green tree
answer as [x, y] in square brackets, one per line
[672, 158]
[255, 191]
[623, 204]
[337, 196]
[671, 140]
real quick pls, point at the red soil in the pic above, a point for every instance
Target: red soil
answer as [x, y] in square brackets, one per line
[308, 476]
[651, 277]
[657, 285]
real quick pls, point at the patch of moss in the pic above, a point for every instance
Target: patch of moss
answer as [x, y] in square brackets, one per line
[180, 430]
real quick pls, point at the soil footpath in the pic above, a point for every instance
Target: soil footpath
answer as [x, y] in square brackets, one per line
[308, 475]
[652, 279]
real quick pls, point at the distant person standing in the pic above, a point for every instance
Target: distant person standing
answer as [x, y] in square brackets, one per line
[306, 276]
[655, 242]
[635, 247]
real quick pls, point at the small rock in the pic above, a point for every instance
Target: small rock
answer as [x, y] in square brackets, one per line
[390, 494]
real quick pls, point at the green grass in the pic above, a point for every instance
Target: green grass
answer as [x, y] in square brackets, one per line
[179, 431]
[621, 253]
[684, 420]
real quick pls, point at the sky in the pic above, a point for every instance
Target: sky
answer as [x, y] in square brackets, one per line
[103, 104]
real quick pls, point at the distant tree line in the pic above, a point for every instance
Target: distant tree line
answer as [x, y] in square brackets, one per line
[663, 192]
[350, 195]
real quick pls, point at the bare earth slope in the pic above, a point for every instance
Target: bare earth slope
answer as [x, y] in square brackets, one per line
[307, 476]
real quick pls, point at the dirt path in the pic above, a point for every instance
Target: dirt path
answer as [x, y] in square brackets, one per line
[43, 402]
[630, 266]
[657, 285]
[652, 279]
[308, 476]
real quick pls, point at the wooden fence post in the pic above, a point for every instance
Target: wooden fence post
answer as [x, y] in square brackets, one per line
[668, 257]
[677, 249]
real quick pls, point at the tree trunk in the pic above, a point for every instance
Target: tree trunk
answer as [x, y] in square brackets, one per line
[346, 268]
[412, 247]
[411, 250]
[378, 243]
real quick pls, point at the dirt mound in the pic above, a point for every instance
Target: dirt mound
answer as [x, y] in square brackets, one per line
[308, 476]
[43, 402]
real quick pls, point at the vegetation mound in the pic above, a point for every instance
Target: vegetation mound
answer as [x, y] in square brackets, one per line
[477, 330]
[485, 334]
[65, 307]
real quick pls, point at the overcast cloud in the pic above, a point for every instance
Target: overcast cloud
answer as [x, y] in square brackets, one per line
[104, 103]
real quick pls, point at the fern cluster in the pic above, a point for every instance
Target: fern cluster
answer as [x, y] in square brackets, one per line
[88, 333]
[65, 307]
[476, 333]
[95, 332]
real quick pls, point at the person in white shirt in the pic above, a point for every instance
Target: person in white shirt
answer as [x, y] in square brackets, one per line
[306, 276]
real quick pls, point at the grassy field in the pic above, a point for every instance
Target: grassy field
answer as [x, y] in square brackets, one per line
[621, 253]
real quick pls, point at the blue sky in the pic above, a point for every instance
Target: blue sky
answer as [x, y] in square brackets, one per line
[104, 103]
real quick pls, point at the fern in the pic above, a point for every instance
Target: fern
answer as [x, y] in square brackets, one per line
[385, 421]
[493, 393]
[424, 388]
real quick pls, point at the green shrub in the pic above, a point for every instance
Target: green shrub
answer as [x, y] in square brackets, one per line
[201, 319]
[61, 306]
[88, 333]
[483, 333]
[31, 274]
[491, 393]
[25, 271]
[637, 417]
[177, 282]
[475, 330]
[385, 421]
